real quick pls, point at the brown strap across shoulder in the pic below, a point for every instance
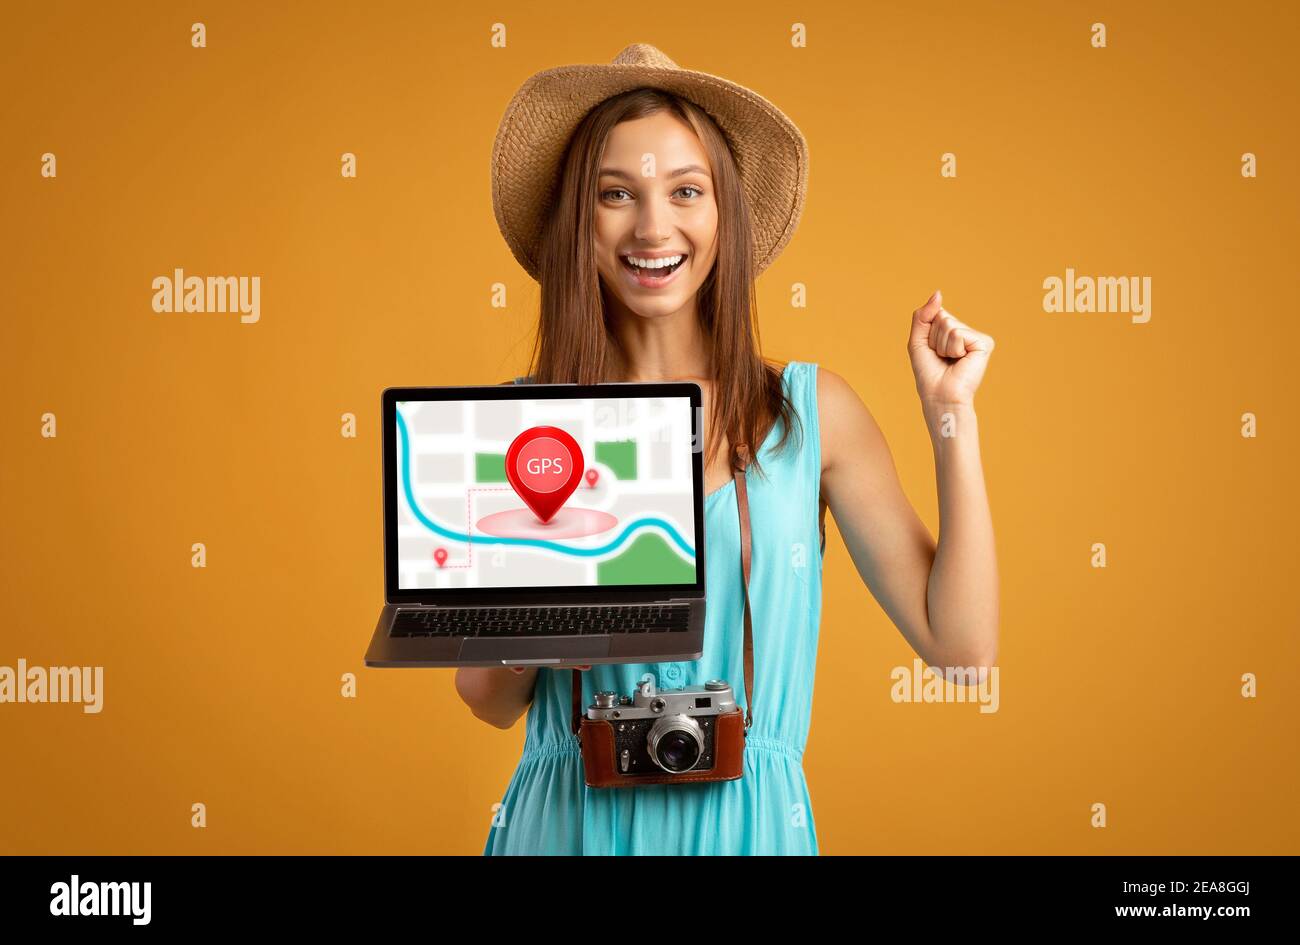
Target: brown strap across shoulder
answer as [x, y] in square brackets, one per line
[742, 509]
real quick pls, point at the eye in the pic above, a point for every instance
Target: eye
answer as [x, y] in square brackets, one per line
[606, 194]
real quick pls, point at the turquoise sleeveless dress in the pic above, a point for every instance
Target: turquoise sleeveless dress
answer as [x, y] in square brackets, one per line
[547, 807]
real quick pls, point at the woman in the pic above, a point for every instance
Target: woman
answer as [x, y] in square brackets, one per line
[599, 174]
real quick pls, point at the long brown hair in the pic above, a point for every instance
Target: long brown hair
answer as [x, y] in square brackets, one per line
[573, 336]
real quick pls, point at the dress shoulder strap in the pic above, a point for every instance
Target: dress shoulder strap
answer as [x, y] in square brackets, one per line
[802, 379]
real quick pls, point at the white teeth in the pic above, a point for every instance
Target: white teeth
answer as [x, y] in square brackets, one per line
[654, 263]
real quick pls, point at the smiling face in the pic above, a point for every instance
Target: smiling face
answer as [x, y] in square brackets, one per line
[654, 220]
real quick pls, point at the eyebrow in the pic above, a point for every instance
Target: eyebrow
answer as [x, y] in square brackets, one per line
[615, 172]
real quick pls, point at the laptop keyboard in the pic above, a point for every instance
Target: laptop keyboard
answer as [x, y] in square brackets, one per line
[541, 621]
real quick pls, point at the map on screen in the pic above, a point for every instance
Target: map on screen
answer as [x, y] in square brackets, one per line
[531, 493]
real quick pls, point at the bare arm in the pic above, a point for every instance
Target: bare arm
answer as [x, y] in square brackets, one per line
[944, 598]
[498, 696]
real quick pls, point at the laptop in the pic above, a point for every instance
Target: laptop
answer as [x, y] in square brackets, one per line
[541, 524]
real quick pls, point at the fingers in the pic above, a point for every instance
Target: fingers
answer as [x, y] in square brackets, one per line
[923, 320]
[963, 340]
[953, 341]
[940, 332]
[936, 328]
[949, 337]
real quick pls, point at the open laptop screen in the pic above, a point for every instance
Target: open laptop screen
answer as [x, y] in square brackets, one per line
[532, 487]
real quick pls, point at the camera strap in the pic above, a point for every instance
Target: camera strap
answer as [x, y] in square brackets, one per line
[742, 509]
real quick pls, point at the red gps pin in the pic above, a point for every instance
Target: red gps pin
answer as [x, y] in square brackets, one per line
[544, 465]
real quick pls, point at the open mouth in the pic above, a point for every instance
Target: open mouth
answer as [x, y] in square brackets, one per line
[656, 273]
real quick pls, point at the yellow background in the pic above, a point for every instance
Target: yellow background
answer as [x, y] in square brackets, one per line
[222, 685]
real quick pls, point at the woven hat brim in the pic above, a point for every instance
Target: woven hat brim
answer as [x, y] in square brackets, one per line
[770, 151]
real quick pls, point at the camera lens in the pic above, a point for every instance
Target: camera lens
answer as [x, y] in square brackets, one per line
[678, 751]
[675, 743]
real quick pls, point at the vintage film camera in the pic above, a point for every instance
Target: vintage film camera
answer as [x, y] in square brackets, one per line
[696, 733]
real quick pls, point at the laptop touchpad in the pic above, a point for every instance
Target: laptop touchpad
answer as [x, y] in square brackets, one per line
[534, 648]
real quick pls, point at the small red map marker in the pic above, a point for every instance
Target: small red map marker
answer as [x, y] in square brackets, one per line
[592, 476]
[544, 466]
[440, 556]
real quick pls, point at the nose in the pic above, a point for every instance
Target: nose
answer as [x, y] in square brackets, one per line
[651, 222]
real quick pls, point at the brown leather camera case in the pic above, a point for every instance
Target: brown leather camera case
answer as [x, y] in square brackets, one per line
[600, 760]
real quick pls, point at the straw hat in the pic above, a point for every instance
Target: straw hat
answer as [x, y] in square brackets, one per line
[770, 151]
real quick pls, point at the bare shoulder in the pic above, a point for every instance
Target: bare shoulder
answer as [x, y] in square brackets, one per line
[833, 391]
[847, 426]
